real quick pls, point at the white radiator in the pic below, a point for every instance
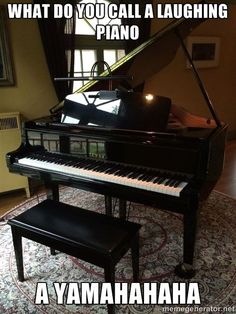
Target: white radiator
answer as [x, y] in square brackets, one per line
[10, 140]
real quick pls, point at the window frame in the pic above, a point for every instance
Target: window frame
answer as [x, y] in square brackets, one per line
[83, 42]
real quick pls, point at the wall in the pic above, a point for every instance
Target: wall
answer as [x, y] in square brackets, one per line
[33, 93]
[177, 81]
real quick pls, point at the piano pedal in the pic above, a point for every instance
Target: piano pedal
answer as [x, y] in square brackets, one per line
[185, 271]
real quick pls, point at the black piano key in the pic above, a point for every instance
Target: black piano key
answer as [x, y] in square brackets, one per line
[172, 182]
[111, 169]
[167, 182]
[92, 165]
[177, 184]
[159, 180]
[142, 175]
[129, 174]
[131, 170]
[100, 168]
[132, 173]
[118, 172]
[125, 172]
[149, 178]
[70, 163]
[83, 163]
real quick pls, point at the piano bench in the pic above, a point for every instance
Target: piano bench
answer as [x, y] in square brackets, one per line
[95, 238]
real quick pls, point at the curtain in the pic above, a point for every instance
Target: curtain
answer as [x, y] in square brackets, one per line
[58, 37]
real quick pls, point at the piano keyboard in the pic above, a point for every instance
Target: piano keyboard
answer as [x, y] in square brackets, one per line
[107, 171]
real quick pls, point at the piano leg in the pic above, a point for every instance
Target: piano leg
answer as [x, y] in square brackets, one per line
[185, 269]
[122, 208]
[53, 194]
[52, 191]
[108, 205]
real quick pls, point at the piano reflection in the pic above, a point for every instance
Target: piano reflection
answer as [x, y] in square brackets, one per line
[150, 151]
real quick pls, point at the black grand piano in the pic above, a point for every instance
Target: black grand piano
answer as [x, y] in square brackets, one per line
[140, 156]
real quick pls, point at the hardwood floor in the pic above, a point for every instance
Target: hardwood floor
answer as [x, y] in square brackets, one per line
[226, 184]
[10, 200]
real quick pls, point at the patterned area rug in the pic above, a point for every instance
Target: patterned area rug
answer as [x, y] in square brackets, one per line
[160, 251]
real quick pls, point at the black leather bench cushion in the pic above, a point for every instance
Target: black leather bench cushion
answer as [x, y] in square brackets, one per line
[75, 225]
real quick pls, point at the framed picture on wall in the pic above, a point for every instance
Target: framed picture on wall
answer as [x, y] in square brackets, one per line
[6, 69]
[204, 51]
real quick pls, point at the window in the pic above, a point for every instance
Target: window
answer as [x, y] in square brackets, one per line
[88, 49]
